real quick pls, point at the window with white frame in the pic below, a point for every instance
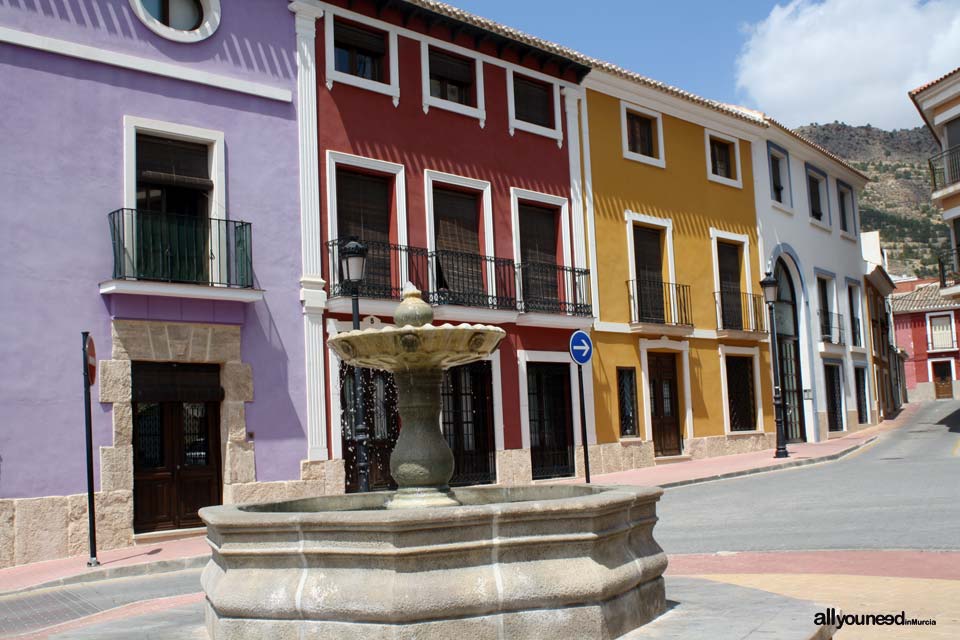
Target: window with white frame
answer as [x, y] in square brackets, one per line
[817, 195]
[642, 134]
[941, 334]
[359, 51]
[723, 158]
[452, 82]
[179, 20]
[779, 161]
[533, 103]
[845, 207]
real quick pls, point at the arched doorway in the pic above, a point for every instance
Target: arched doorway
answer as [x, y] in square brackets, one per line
[788, 356]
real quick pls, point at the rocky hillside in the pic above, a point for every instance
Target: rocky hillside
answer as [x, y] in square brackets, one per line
[897, 200]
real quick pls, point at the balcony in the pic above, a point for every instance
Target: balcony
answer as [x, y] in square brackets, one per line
[167, 254]
[945, 169]
[738, 311]
[458, 280]
[659, 303]
[831, 327]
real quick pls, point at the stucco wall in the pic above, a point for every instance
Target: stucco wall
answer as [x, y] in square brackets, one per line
[62, 125]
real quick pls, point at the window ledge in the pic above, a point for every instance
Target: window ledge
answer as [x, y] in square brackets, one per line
[943, 350]
[752, 432]
[455, 107]
[729, 182]
[178, 290]
[779, 206]
[334, 76]
[846, 235]
[529, 127]
[650, 160]
[820, 225]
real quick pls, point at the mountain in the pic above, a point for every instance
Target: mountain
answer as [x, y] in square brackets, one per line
[896, 201]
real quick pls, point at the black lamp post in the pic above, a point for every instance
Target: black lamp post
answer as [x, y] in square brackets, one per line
[353, 263]
[769, 285]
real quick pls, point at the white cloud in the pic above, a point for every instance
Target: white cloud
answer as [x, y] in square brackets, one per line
[847, 60]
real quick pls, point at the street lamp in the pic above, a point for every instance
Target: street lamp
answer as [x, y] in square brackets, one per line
[769, 285]
[353, 263]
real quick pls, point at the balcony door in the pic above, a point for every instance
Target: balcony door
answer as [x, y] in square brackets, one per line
[176, 444]
[648, 262]
[171, 223]
[363, 212]
[540, 277]
[457, 262]
[731, 304]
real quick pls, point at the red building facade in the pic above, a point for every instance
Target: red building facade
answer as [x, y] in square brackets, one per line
[926, 327]
[452, 152]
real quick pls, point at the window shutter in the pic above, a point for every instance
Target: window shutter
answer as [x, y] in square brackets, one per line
[363, 206]
[640, 134]
[533, 101]
[349, 36]
[538, 234]
[451, 67]
[172, 162]
[940, 332]
[457, 232]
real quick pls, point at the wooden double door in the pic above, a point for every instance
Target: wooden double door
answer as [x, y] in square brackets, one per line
[942, 380]
[664, 406]
[176, 444]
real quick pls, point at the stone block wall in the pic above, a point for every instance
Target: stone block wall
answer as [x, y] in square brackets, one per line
[712, 446]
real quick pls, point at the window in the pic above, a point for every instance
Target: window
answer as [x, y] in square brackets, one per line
[363, 211]
[452, 78]
[540, 277]
[723, 158]
[648, 264]
[941, 333]
[845, 205]
[853, 298]
[359, 51]
[779, 175]
[457, 260]
[731, 301]
[741, 403]
[179, 20]
[641, 134]
[817, 194]
[627, 400]
[533, 101]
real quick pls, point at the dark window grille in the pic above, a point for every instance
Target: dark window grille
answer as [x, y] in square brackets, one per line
[860, 375]
[551, 423]
[722, 156]
[452, 78]
[358, 51]
[467, 422]
[533, 101]
[627, 400]
[149, 437]
[741, 400]
[834, 388]
[641, 134]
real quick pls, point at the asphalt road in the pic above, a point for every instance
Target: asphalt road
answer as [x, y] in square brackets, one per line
[901, 492]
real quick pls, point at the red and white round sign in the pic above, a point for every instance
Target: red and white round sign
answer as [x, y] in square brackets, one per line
[91, 360]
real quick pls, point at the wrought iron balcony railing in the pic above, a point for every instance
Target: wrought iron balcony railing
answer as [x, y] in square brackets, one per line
[945, 168]
[740, 311]
[167, 247]
[659, 302]
[465, 279]
[831, 327]
[551, 288]
[942, 343]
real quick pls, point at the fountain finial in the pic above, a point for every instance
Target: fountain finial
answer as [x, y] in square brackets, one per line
[412, 311]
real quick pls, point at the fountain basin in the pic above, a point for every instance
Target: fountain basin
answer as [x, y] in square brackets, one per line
[567, 561]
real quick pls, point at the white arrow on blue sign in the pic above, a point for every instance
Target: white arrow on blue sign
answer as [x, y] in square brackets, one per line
[581, 347]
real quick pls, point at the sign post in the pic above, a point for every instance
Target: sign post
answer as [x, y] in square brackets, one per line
[581, 350]
[89, 377]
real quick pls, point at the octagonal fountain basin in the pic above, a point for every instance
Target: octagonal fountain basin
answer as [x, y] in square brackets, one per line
[542, 561]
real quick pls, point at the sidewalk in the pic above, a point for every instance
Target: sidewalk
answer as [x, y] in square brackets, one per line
[193, 552]
[677, 474]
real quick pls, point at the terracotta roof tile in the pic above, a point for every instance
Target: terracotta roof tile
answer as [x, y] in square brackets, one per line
[926, 86]
[924, 298]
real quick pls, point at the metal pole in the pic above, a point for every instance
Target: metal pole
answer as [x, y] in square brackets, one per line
[781, 451]
[91, 515]
[359, 428]
[583, 427]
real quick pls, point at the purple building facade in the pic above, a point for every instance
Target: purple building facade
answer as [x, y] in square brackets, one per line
[155, 194]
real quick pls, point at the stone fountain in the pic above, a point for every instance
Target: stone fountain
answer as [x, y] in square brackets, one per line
[427, 561]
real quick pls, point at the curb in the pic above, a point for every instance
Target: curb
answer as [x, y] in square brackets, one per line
[776, 467]
[126, 571]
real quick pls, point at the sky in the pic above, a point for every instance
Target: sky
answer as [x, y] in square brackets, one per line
[802, 61]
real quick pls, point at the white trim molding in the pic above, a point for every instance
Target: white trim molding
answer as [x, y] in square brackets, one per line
[711, 133]
[479, 111]
[209, 23]
[754, 353]
[665, 344]
[632, 218]
[628, 107]
[391, 88]
[178, 290]
[431, 178]
[560, 357]
[931, 361]
[515, 124]
[142, 65]
[558, 202]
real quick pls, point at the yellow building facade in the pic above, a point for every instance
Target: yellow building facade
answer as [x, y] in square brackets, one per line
[681, 361]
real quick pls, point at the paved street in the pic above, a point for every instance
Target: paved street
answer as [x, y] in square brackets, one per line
[902, 492]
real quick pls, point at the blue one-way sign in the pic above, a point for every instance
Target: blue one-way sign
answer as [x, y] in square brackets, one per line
[581, 347]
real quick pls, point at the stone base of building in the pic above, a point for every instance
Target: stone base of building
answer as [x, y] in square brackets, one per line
[730, 444]
[924, 391]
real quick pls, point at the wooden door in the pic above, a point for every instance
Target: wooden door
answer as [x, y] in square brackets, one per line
[942, 380]
[663, 404]
[176, 463]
